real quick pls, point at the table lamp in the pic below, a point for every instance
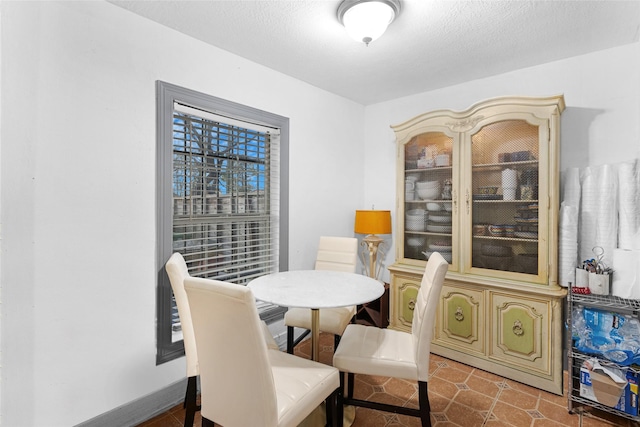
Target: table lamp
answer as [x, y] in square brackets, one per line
[372, 223]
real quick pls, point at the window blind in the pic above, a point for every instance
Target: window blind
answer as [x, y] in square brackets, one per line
[225, 195]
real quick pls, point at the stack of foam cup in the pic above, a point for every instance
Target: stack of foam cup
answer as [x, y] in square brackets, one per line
[509, 184]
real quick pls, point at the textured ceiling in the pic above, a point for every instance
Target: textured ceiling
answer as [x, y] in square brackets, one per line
[432, 44]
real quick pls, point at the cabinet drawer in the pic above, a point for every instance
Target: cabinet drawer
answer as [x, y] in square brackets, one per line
[460, 319]
[520, 332]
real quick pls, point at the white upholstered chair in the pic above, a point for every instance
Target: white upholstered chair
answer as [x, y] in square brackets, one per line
[336, 254]
[373, 351]
[244, 383]
[177, 271]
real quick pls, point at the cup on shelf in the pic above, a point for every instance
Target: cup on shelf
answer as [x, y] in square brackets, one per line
[509, 193]
[526, 192]
[496, 230]
[442, 160]
[509, 230]
[479, 229]
[409, 195]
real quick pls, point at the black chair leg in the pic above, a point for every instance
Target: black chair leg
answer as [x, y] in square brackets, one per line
[190, 400]
[331, 406]
[290, 339]
[340, 401]
[291, 343]
[336, 341]
[423, 401]
[350, 384]
[207, 423]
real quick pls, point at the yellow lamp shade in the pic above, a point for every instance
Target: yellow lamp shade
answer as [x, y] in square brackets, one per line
[373, 222]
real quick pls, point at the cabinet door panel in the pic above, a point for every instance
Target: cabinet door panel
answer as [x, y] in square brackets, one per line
[404, 291]
[408, 294]
[427, 194]
[520, 329]
[461, 319]
[505, 177]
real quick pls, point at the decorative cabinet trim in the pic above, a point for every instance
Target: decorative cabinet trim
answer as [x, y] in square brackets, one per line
[465, 124]
[461, 317]
[521, 332]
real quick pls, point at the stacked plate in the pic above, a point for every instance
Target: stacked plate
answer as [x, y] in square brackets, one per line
[441, 246]
[446, 255]
[440, 217]
[415, 219]
[439, 222]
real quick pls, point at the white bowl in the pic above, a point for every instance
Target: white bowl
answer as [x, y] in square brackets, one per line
[428, 194]
[439, 228]
[416, 241]
[440, 248]
[441, 217]
[427, 184]
[446, 255]
[415, 226]
[415, 213]
[434, 207]
[415, 220]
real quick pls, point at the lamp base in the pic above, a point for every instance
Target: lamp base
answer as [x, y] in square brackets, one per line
[372, 242]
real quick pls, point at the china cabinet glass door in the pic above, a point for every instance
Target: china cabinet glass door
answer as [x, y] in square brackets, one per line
[429, 187]
[506, 207]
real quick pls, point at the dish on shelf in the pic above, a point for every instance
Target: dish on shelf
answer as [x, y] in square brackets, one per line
[439, 228]
[428, 184]
[434, 207]
[488, 189]
[440, 217]
[526, 234]
[446, 255]
[531, 207]
[440, 246]
[447, 206]
[416, 241]
[487, 197]
[497, 250]
[528, 262]
[527, 220]
[428, 193]
[415, 226]
[415, 213]
[496, 262]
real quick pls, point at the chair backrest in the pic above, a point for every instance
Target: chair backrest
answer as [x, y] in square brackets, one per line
[425, 309]
[235, 374]
[337, 254]
[177, 271]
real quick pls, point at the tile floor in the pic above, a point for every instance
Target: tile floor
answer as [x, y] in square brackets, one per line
[460, 395]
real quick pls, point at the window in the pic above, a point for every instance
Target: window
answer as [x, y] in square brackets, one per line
[222, 199]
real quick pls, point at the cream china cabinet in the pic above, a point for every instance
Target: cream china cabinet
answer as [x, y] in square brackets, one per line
[481, 187]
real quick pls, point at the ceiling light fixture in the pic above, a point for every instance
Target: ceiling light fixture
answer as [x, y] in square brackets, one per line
[366, 20]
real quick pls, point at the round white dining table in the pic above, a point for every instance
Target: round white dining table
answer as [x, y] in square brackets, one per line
[316, 289]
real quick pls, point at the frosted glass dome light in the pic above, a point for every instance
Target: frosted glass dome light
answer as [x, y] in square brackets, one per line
[366, 20]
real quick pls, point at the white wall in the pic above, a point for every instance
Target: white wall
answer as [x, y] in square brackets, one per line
[77, 202]
[600, 125]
